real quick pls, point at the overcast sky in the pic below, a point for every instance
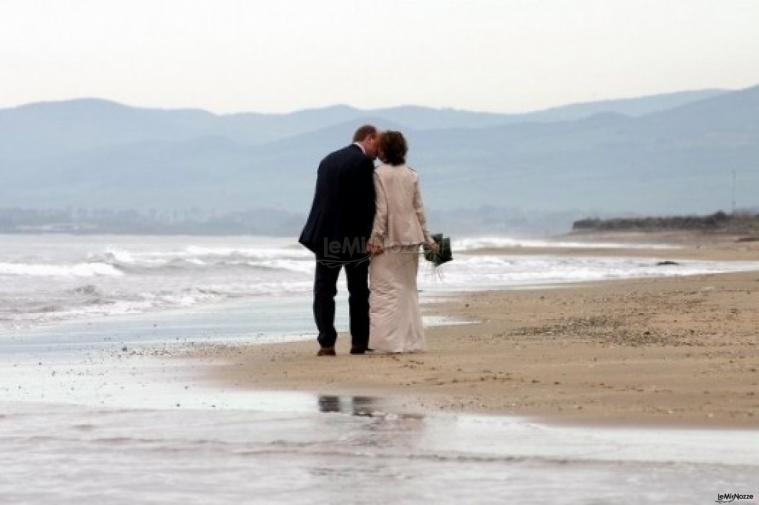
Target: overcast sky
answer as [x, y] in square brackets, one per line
[272, 56]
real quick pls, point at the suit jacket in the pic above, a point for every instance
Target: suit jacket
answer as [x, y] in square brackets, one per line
[342, 212]
[400, 219]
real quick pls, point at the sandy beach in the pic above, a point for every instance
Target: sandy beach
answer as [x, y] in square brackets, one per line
[679, 351]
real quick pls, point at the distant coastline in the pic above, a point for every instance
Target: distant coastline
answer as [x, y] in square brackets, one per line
[486, 220]
[720, 222]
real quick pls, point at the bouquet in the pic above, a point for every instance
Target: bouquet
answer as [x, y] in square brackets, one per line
[443, 253]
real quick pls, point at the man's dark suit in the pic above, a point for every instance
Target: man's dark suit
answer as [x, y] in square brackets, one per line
[337, 231]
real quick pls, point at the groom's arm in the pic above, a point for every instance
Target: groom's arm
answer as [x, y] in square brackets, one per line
[361, 196]
[370, 195]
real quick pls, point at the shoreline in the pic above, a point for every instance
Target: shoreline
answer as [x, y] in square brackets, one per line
[663, 351]
[681, 246]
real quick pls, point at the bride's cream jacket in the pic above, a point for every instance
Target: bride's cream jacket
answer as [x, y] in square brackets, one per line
[400, 218]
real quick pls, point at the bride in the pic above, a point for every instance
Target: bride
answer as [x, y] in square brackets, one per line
[400, 227]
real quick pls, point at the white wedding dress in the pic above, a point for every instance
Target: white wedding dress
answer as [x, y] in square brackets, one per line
[395, 320]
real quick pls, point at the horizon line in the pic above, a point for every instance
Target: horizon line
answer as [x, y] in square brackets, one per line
[364, 109]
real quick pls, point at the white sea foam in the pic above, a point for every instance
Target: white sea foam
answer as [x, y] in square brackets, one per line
[489, 271]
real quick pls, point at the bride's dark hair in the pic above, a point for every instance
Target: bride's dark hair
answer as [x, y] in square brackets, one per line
[393, 147]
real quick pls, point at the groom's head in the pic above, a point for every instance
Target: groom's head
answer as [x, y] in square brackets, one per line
[368, 137]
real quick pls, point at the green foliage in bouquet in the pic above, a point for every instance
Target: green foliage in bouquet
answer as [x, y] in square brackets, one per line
[443, 254]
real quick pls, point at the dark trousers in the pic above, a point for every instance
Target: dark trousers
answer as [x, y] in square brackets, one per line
[325, 289]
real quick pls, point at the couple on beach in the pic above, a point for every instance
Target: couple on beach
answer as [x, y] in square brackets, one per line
[371, 222]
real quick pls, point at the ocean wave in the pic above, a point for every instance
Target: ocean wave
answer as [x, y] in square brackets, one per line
[89, 300]
[201, 252]
[260, 253]
[193, 257]
[60, 270]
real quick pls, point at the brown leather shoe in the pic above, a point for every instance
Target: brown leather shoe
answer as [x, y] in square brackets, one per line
[326, 351]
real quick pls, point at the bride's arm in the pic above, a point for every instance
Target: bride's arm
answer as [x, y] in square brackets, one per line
[379, 229]
[420, 215]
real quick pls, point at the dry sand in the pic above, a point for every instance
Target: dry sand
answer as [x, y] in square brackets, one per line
[669, 351]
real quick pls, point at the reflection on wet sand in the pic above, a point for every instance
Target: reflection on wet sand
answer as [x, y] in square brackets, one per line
[355, 405]
[364, 406]
[285, 449]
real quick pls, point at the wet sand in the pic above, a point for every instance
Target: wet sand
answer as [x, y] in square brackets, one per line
[665, 351]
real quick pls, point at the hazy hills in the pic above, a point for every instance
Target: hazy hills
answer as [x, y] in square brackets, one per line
[660, 154]
[50, 128]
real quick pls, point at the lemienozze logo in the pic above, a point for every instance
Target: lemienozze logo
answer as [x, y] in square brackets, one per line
[731, 497]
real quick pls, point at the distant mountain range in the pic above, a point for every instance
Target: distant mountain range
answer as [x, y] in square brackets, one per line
[672, 153]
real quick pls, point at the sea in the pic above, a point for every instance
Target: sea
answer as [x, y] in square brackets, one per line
[95, 409]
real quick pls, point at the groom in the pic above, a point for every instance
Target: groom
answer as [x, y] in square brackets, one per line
[337, 231]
